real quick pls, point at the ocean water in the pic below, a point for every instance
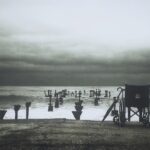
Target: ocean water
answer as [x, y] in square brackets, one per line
[12, 95]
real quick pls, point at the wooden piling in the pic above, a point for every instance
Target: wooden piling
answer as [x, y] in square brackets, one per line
[2, 114]
[28, 104]
[16, 109]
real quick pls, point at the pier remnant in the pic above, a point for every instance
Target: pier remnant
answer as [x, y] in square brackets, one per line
[106, 93]
[97, 98]
[56, 101]
[2, 114]
[76, 95]
[49, 94]
[92, 93]
[16, 109]
[28, 104]
[78, 107]
[50, 107]
[64, 93]
[61, 100]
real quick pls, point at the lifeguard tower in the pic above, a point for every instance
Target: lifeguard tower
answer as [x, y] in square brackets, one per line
[135, 100]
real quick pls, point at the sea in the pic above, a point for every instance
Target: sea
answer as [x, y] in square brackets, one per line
[19, 95]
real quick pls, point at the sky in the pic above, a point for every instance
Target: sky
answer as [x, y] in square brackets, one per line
[74, 42]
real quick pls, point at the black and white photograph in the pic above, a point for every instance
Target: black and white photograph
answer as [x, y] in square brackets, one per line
[74, 74]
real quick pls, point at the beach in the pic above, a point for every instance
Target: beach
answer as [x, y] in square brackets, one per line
[52, 134]
[58, 129]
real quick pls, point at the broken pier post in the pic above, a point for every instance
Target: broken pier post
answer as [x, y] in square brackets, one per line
[2, 114]
[61, 100]
[56, 101]
[77, 114]
[28, 104]
[96, 98]
[106, 93]
[78, 107]
[16, 109]
[50, 107]
[49, 94]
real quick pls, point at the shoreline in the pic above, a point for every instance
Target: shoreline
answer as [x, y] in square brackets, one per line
[52, 134]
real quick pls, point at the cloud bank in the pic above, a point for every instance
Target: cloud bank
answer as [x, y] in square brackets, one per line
[74, 43]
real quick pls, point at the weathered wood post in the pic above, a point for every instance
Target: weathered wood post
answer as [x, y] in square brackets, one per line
[61, 100]
[76, 94]
[56, 101]
[55, 94]
[28, 104]
[96, 98]
[80, 93]
[2, 114]
[106, 93]
[50, 107]
[16, 109]
[91, 93]
[64, 93]
[109, 94]
[99, 92]
[78, 108]
[49, 94]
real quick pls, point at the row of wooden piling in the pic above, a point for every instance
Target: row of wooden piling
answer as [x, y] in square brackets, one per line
[16, 109]
[78, 105]
[97, 92]
[59, 101]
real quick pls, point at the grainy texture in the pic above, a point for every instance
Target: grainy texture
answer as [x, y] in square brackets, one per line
[71, 135]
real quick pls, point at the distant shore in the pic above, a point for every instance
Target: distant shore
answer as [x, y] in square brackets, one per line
[53, 134]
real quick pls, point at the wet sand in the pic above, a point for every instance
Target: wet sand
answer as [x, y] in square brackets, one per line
[59, 134]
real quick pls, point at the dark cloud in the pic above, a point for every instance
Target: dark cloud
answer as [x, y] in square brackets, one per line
[74, 43]
[29, 70]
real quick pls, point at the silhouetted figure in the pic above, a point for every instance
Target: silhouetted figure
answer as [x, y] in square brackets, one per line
[16, 109]
[28, 104]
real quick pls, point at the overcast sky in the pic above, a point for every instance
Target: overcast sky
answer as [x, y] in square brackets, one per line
[74, 42]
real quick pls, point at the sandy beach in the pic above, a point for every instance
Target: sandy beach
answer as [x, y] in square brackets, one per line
[66, 134]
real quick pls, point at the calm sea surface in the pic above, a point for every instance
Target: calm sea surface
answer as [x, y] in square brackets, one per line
[12, 95]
